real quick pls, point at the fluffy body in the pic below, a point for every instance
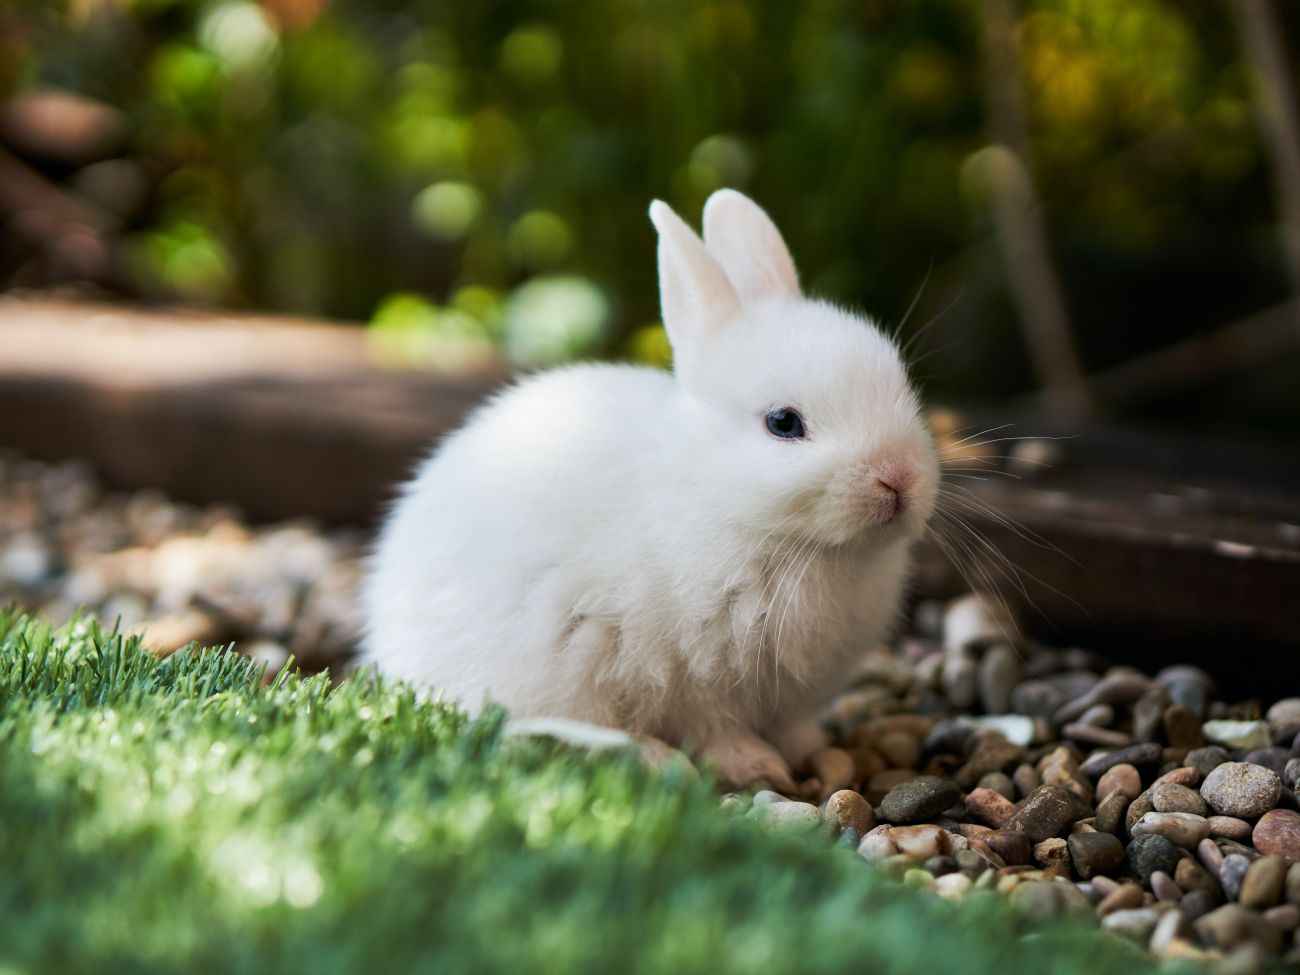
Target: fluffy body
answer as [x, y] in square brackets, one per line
[632, 548]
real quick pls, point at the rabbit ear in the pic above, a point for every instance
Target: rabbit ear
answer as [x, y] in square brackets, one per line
[694, 292]
[746, 242]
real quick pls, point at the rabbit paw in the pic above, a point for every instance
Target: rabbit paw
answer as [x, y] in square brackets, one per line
[743, 759]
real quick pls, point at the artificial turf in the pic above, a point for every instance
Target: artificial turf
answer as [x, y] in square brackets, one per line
[180, 815]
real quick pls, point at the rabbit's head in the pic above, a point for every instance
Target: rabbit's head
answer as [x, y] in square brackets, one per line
[799, 416]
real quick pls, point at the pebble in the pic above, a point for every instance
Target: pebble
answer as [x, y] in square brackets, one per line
[999, 672]
[1000, 783]
[1016, 728]
[958, 679]
[1229, 827]
[1168, 797]
[1262, 886]
[1192, 876]
[1110, 813]
[1093, 735]
[1013, 848]
[1291, 773]
[1044, 899]
[1172, 926]
[953, 886]
[1036, 698]
[1026, 779]
[1165, 888]
[989, 808]
[1122, 778]
[1232, 924]
[1181, 829]
[1278, 834]
[1148, 714]
[1206, 760]
[1232, 873]
[789, 815]
[1241, 790]
[1095, 853]
[918, 799]
[992, 753]
[1146, 754]
[1238, 734]
[1136, 923]
[834, 767]
[1274, 759]
[850, 811]
[1044, 813]
[920, 842]
[1196, 903]
[1284, 916]
[899, 749]
[1293, 883]
[880, 784]
[1284, 713]
[1138, 808]
[1148, 853]
[1183, 775]
[1123, 898]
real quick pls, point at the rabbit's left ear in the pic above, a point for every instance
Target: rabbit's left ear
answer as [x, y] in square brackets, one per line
[749, 247]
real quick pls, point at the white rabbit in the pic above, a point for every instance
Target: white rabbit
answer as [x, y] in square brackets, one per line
[698, 556]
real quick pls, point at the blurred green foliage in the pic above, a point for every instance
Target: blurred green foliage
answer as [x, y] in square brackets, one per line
[472, 174]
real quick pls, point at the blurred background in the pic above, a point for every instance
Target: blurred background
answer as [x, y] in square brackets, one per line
[1056, 189]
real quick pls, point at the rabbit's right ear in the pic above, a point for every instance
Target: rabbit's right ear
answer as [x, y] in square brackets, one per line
[695, 295]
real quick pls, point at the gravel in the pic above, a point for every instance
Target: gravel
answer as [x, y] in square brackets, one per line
[1071, 785]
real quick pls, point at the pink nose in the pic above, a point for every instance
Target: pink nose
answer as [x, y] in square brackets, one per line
[894, 477]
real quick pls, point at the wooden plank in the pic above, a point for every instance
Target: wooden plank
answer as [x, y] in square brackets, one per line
[1165, 544]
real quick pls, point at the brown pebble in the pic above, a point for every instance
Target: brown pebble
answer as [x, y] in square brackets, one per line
[1262, 887]
[1110, 813]
[851, 811]
[1231, 924]
[1104, 886]
[867, 762]
[834, 767]
[1165, 888]
[1014, 848]
[1208, 852]
[1293, 883]
[1092, 735]
[1172, 798]
[1284, 916]
[1051, 852]
[1045, 812]
[1183, 728]
[1125, 897]
[1229, 827]
[1026, 779]
[879, 785]
[1183, 775]
[1189, 875]
[1123, 779]
[1241, 789]
[1278, 833]
[1094, 854]
[900, 749]
[1138, 808]
[989, 807]
[992, 753]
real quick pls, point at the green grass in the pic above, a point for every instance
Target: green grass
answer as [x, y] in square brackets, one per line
[179, 816]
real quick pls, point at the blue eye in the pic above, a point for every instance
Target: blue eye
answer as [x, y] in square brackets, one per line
[786, 424]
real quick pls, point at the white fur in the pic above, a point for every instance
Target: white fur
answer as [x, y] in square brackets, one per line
[632, 548]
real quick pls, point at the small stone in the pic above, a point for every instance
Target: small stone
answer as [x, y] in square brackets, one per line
[1101, 715]
[940, 865]
[1208, 852]
[1284, 713]
[1170, 798]
[1122, 778]
[1135, 924]
[992, 753]
[1148, 853]
[1206, 760]
[920, 842]
[900, 749]
[1263, 884]
[1095, 853]
[1278, 834]
[1013, 848]
[790, 815]
[1138, 808]
[1120, 686]
[1046, 812]
[1000, 783]
[919, 799]
[1274, 759]
[1293, 883]
[1229, 827]
[1036, 698]
[1041, 899]
[1191, 876]
[1148, 712]
[1051, 851]
[1181, 829]
[1026, 779]
[1164, 887]
[1291, 773]
[1147, 754]
[1285, 917]
[1015, 728]
[1171, 927]
[989, 807]
[952, 886]
[850, 811]
[882, 782]
[958, 679]
[1232, 874]
[1183, 775]
[999, 672]
[1195, 903]
[1110, 813]
[1125, 897]
[1237, 734]
[877, 846]
[1232, 924]
[1242, 790]
[1093, 735]
[833, 766]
